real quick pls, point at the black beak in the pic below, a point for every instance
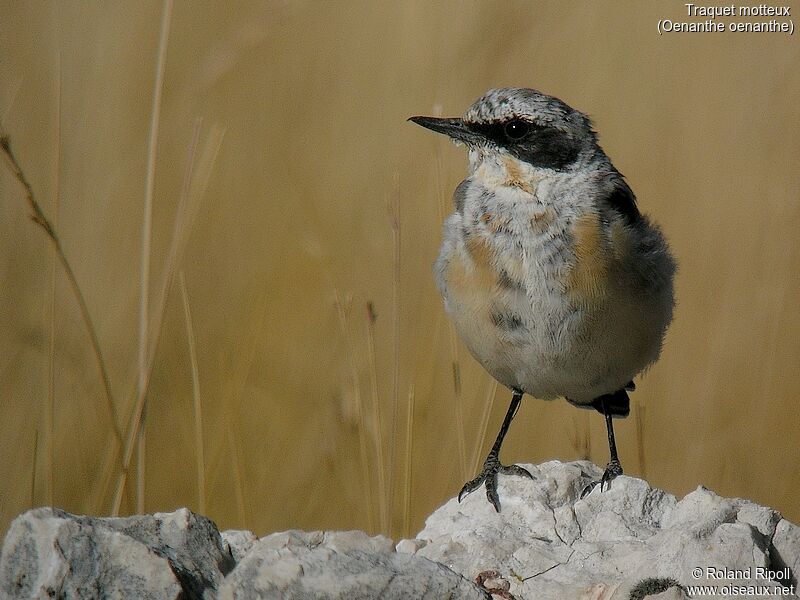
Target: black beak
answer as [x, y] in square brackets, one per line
[456, 128]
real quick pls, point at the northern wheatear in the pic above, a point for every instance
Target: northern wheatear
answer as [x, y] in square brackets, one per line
[555, 281]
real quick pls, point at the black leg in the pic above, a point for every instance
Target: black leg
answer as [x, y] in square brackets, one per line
[613, 468]
[492, 466]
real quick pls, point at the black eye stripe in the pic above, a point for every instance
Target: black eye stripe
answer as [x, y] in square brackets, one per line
[540, 146]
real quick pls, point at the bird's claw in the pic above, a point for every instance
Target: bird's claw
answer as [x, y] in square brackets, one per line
[471, 486]
[613, 470]
[488, 476]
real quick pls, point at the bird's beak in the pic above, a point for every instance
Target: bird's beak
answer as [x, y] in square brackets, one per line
[455, 128]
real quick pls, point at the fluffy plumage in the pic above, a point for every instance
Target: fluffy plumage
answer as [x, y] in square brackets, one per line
[554, 280]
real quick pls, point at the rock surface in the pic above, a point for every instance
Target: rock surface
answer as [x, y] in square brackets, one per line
[297, 565]
[629, 542]
[616, 544]
[49, 553]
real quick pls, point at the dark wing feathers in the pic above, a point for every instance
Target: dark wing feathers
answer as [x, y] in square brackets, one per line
[622, 200]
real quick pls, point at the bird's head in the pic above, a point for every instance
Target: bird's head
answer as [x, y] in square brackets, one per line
[536, 129]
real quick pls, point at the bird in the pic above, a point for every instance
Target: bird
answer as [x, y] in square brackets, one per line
[554, 280]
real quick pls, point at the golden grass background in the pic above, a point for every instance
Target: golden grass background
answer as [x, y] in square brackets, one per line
[301, 371]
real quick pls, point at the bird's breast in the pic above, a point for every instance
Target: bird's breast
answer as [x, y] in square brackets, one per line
[529, 285]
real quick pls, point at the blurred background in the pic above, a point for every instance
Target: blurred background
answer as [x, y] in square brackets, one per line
[252, 223]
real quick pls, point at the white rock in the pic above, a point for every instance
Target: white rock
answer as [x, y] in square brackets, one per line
[786, 546]
[409, 546]
[238, 542]
[629, 542]
[339, 565]
[48, 552]
[549, 543]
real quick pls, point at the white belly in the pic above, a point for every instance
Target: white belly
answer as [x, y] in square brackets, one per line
[564, 317]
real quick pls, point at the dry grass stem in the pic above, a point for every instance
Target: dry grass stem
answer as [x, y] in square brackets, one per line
[198, 414]
[238, 480]
[147, 231]
[488, 404]
[395, 222]
[366, 480]
[12, 98]
[377, 422]
[580, 435]
[51, 354]
[639, 414]
[141, 462]
[32, 499]
[233, 391]
[106, 472]
[409, 462]
[459, 399]
[444, 208]
[40, 219]
[50, 409]
[196, 177]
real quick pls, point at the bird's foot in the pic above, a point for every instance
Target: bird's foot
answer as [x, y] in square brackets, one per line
[613, 470]
[491, 468]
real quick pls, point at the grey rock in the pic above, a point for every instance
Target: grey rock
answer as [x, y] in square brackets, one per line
[48, 554]
[549, 543]
[409, 546]
[629, 542]
[51, 553]
[785, 550]
[339, 565]
[239, 542]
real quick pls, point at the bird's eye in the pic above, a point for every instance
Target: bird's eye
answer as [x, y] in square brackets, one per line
[516, 130]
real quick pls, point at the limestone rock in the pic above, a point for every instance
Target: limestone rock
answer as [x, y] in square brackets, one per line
[629, 542]
[785, 550]
[339, 565]
[626, 542]
[50, 553]
[239, 542]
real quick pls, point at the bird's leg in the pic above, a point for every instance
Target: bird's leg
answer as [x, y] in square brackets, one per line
[613, 468]
[492, 466]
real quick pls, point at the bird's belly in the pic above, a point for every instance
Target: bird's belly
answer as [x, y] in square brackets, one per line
[532, 335]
